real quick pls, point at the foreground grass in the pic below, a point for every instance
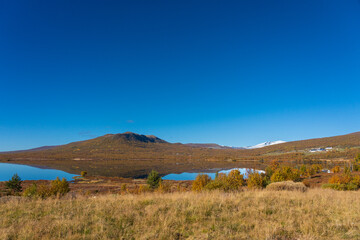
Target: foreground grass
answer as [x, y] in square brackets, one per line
[316, 214]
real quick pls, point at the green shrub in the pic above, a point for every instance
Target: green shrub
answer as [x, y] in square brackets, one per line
[153, 179]
[357, 158]
[123, 187]
[336, 186]
[59, 187]
[14, 184]
[31, 191]
[303, 170]
[218, 183]
[356, 180]
[356, 167]
[200, 182]
[43, 191]
[347, 170]
[55, 188]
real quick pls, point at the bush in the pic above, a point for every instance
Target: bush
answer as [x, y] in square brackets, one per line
[357, 158]
[347, 170]
[144, 189]
[341, 187]
[315, 168]
[356, 167]
[340, 179]
[218, 183]
[43, 191]
[55, 188]
[83, 173]
[343, 182]
[231, 182]
[234, 180]
[14, 184]
[303, 170]
[269, 171]
[153, 179]
[31, 191]
[287, 186]
[256, 180]
[200, 182]
[356, 180]
[164, 187]
[285, 174]
[123, 187]
[335, 169]
[59, 188]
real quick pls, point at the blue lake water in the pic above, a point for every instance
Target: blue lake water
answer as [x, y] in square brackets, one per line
[192, 176]
[7, 170]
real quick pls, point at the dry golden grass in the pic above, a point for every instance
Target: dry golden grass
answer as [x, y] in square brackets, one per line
[287, 186]
[315, 214]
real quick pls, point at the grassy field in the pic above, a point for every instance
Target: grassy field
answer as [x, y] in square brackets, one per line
[315, 214]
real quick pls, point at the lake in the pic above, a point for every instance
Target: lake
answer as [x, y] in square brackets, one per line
[7, 170]
[192, 176]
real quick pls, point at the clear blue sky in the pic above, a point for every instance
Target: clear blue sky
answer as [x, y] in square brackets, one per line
[231, 72]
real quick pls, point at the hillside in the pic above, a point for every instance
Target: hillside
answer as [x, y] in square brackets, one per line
[130, 154]
[342, 141]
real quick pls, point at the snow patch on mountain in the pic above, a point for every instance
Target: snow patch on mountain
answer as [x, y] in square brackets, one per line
[265, 144]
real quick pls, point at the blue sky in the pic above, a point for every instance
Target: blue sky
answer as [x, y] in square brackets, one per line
[230, 72]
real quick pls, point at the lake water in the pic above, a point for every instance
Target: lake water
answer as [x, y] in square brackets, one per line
[192, 176]
[7, 170]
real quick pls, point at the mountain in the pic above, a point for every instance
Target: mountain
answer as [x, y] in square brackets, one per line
[265, 144]
[134, 137]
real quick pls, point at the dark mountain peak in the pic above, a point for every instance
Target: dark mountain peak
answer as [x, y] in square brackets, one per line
[134, 137]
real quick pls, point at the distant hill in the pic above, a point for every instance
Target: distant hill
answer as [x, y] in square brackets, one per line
[342, 141]
[32, 149]
[130, 154]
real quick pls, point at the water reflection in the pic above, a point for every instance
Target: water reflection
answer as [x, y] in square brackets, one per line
[7, 170]
[192, 176]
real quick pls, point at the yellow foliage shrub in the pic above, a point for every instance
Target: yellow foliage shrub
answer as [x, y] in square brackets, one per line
[335, 169]
[285, 173]
[256, 180]
[200, 182]
[234, 180]
[164, 187]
